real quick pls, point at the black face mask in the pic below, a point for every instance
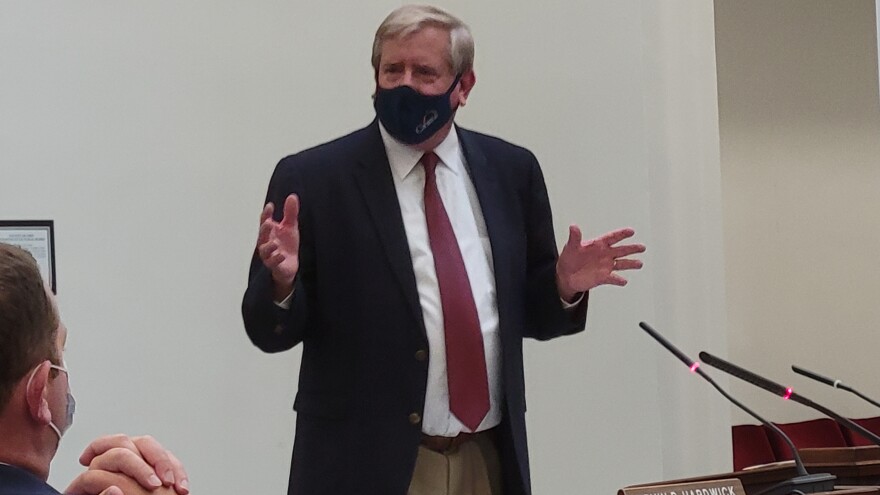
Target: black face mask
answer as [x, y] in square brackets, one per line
[410, 116]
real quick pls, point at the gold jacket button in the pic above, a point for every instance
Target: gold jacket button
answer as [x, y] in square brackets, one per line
[415, 418]
[421, 355]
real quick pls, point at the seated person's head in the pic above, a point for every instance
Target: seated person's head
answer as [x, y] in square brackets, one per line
[35, 403]
[36, 407]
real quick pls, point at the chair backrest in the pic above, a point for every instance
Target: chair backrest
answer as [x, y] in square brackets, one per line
[751, 446]
[854, 439]
[823, 432]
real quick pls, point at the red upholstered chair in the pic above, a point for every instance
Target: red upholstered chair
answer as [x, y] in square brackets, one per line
[854, 439]
[750, 446]
[814, 433]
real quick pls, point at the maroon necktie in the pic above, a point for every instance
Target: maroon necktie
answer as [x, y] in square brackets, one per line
[465, 358]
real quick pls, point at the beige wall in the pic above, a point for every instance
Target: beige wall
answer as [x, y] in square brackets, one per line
[800, 154]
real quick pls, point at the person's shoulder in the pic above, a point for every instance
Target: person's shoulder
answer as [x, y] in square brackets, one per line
[494, 146]
[334, 150]
[17, 481]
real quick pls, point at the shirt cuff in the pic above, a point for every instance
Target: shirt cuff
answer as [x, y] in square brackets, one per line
[565, 304]
[285, 303]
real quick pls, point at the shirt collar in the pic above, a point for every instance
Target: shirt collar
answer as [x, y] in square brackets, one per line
[404, 158]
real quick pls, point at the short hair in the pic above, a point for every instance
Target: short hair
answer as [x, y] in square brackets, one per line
[408, 19]
[28, 319]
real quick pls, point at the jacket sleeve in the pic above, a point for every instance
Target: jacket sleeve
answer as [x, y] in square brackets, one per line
[546, 317]
[270, 327]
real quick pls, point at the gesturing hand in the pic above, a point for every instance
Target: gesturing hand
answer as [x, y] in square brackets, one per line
[278, 245]
[583, 265]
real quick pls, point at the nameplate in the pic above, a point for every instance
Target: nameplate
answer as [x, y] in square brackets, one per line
[731, 486]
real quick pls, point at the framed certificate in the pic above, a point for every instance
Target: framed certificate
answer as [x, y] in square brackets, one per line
[37, 237]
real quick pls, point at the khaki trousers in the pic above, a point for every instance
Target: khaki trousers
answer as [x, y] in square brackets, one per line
[473, 468]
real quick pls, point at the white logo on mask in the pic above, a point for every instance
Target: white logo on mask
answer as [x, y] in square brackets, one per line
[429, 119]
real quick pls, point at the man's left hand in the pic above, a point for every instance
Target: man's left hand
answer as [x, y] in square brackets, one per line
[583, 265]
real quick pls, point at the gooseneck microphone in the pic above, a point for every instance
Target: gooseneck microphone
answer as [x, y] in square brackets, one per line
[803, 482]
[833, 383]
[785, 393]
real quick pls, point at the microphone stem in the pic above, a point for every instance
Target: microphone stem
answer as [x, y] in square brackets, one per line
[849, 424]
[868, 399]
[798, 463]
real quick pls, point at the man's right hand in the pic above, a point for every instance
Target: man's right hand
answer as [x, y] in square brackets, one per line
[278, 245]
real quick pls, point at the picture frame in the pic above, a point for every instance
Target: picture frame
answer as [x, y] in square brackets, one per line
[36, 237]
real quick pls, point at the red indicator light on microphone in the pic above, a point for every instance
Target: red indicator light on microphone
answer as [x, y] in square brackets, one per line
[694, 367]
[788, 393]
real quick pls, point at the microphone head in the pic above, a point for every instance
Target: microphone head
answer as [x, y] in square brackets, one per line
[814, 376]
[669, 346]
[746, 375]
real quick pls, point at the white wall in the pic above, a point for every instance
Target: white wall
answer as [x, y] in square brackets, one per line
[148, 131]
[800, 121]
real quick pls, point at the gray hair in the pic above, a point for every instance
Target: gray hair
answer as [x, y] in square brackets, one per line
[408, 19]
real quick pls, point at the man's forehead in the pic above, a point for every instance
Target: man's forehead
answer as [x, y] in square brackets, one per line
[419, 46]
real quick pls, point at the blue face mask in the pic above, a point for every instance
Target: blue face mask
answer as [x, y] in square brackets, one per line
[410, 116]
[71, 403]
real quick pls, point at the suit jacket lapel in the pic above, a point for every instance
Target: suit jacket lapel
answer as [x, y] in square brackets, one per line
[374, 179]
[486, 178]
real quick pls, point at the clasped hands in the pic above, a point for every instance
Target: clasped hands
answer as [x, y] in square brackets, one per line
[122, 465]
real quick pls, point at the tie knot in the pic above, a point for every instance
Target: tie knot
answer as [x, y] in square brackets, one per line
[429, 161]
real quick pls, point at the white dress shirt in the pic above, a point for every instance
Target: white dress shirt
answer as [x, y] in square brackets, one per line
[466, 216]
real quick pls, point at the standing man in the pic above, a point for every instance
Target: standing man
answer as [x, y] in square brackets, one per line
[37, 407]
[411, 258]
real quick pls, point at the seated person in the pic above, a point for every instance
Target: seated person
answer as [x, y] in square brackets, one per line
[36, 405]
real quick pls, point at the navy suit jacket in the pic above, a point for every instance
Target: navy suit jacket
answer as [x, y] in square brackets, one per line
[356, 309]
[17, 481]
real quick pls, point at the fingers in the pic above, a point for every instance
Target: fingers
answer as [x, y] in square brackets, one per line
[124, 461]
[265, 224]
[168, 467]
[181, 483]
[273, 260]
[268, 243]
[96, 482]
[627, 264]
[574, 236]
[618, 235]
[105, 443]
[609, 239]
[269, 253]
[267, 212]
[627, 249]
[615, 279]
[264, 244]
[291, 211]
[157, 457]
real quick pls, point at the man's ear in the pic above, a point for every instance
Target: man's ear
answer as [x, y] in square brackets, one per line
[465, 85]
[37, 392]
